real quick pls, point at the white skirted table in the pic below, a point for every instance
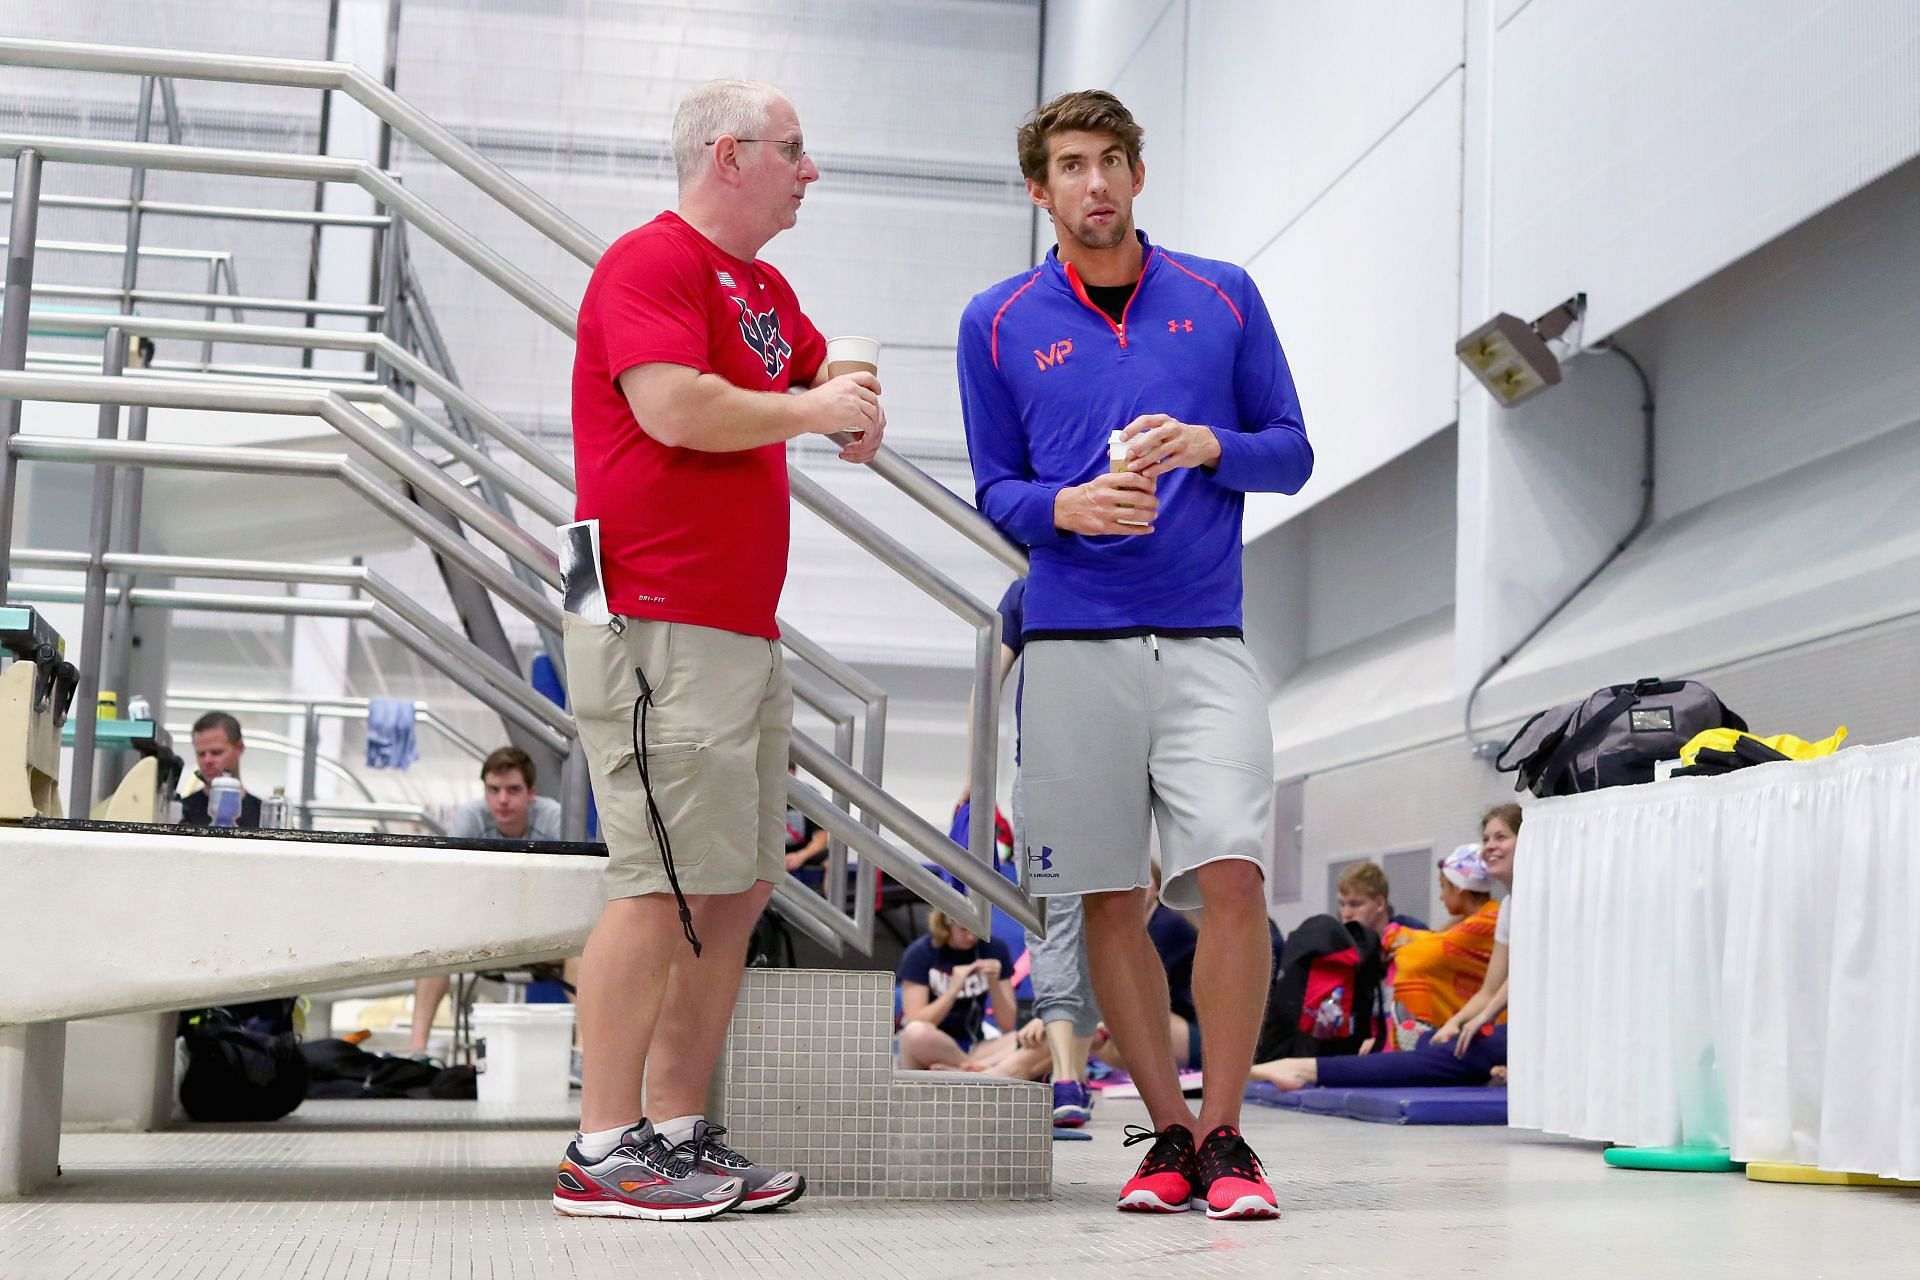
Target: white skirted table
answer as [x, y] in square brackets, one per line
[1729, 961]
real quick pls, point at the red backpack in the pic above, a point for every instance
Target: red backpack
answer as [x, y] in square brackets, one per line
[1326, 998]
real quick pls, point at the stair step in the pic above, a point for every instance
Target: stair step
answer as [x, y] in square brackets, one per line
[807, 1081]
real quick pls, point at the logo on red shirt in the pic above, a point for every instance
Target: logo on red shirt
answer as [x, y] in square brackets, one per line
[762, 333]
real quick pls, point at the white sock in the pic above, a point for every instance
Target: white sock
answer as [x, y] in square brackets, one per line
[596, 1146]
[677, 1130]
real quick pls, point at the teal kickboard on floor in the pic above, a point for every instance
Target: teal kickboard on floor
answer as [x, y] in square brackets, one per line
[1674, 1159]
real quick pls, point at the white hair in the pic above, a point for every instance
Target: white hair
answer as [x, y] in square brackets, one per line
[733, 108]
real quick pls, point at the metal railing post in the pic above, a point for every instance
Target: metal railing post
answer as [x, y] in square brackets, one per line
[212, 312]
[18, 305]
[575, 787]
[170, 107]
[136, 192]
[93, 612]
[309, 766]
[984, 733]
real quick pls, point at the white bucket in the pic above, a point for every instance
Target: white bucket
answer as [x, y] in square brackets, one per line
[522, 1051]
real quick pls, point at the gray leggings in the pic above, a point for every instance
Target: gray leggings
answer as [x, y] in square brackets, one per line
[1062, 991]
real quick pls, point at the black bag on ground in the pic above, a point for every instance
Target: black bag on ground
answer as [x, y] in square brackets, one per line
[1326, 998]
[1612, 737]
[337, 1069]
[235, 1073]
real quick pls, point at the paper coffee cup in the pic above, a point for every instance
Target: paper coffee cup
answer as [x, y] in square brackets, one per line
[852, 355]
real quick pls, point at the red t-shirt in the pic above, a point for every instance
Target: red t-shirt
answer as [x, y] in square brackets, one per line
[686, 536]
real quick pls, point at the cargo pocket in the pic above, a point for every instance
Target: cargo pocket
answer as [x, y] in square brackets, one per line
[676, 776]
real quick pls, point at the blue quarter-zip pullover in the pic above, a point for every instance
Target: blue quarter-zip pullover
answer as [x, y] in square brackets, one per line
[1045, 376]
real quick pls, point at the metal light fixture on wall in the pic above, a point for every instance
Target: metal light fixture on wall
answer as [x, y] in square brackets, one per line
[1516, 361]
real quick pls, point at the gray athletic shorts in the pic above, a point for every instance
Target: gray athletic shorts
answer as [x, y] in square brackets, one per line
[1116, 735]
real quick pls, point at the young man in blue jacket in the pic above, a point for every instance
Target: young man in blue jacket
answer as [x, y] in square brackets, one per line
[1141, 703]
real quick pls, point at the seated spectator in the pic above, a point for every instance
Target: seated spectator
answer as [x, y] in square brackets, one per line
[948, 978]
[1435, 973]
[806, 846]
[508, 811]
[1469, 1048]
[1364, 895]
[217, 748]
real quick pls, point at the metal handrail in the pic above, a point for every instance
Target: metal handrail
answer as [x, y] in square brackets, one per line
[97, 249]
[817, 696]
[307, 606]
[516, 542]
[329, 708]
[399, 359]
[252, 461]
[994, 890]
[406, 119]
[217, 301]
[381, 185]
[230, 213]
[445, 642]
[231, 375]
[985, 620]
[374, 811]
[873, 742]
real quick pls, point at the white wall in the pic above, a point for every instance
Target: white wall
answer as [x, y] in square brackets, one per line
[1804, 348]
[1367, 574]
[1323, 154]
[1640, 146]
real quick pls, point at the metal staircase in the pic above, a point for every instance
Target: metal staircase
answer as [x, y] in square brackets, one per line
[402, 458]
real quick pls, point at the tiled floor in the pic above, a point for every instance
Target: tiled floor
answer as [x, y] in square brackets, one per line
[441, 1190]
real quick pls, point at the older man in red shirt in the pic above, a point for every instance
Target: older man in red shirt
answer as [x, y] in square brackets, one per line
[688, 345]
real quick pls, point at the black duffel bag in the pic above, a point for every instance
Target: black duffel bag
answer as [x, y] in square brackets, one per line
[239, 1072]
[1613, 737]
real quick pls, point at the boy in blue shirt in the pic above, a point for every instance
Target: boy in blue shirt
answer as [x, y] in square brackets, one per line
[1120, 400]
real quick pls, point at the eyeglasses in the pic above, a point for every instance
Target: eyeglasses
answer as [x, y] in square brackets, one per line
[795, 152]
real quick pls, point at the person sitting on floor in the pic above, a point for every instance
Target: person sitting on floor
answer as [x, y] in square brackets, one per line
[947, 979]
[1470, 1048]
[807, 843]
[1435, 972]
[1365, 895]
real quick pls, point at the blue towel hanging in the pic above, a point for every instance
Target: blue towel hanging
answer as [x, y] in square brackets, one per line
[390, 743]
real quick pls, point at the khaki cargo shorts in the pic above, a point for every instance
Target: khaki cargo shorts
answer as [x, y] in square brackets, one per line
[713, 735]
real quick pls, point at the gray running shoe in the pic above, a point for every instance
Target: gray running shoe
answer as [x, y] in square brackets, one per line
[643, 1177]
[766, 1188]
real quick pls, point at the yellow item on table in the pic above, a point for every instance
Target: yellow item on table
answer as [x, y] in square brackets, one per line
[1785, 743]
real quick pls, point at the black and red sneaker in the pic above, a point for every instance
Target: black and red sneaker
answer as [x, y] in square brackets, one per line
[1230, 1180]
[1164, 1181]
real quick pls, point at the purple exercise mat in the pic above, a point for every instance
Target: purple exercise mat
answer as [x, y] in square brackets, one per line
[1459, 1104]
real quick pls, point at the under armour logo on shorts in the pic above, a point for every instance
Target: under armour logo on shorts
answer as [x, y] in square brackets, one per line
[1041, 861]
